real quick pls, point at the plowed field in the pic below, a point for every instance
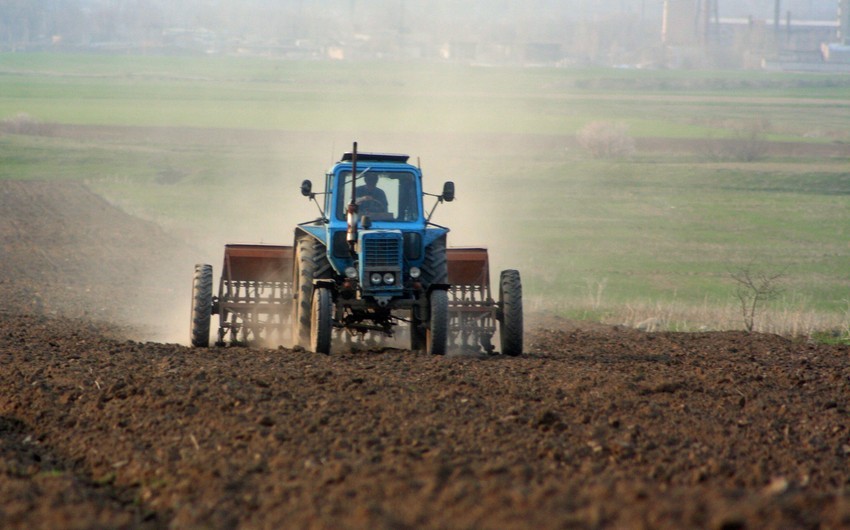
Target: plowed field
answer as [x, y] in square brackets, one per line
[593, 427]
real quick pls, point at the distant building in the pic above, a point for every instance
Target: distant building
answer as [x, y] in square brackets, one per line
[679, 23]
[460, 51]
[543, 52]
[835, 53]
[688, 22]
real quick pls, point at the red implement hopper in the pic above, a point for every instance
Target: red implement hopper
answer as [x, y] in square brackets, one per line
[472, 310]
[255, 294]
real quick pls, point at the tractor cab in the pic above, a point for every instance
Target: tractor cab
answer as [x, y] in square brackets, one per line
[374, 224]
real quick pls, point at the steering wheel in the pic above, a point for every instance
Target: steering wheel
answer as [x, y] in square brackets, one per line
[369, 204]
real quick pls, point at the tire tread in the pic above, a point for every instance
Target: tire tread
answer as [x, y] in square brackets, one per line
[511, 325]
[202, 287]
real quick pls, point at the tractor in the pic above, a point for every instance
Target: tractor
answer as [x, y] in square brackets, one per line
[372, 265]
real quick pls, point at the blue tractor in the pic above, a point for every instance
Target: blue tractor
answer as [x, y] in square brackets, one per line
[373, 264]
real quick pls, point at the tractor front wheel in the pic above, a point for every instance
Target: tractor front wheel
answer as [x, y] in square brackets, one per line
[321, 320]
[437, 336]
[510, 323]
[202, 287]
[418, 335]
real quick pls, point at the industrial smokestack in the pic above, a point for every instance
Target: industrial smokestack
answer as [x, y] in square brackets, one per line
[680, 24]
[777, 10]
[844, 22]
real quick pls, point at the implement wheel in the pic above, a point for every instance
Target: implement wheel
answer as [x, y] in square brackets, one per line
[202, 287]
[321, 320]
[437, 336]
[510, 323]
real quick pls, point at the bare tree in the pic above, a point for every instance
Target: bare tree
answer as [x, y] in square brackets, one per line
[603, 139]
[753, 289]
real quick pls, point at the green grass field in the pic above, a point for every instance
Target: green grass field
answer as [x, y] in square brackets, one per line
[214, 149]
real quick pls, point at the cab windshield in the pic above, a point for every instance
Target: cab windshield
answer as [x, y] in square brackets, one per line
[382, 195]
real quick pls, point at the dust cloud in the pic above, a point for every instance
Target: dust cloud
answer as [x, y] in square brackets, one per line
[267, 210]
[108, 258]
[67, 252]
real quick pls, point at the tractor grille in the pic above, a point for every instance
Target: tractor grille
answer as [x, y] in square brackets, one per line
[382, 252]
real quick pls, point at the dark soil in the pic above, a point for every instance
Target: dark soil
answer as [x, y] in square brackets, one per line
[593, 427]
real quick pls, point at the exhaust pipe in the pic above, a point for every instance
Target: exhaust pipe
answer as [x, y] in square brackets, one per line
[351, 213]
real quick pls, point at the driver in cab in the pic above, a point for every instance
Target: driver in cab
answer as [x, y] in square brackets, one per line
[370, 198]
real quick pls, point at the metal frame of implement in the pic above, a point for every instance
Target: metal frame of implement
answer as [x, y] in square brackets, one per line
[255, 294]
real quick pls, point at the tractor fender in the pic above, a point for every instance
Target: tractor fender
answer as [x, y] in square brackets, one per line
[439, 287]
[325, 282]
[432, 234]
[317, 232]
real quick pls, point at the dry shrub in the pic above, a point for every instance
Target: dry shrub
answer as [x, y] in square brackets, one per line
[792, 318]
[748, 141]
[603, 139]
[23, 123]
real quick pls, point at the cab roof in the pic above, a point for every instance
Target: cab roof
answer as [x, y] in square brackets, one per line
[376, 157]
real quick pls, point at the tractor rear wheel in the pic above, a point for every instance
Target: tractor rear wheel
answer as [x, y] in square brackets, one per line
[437, 336]
[321, 320]
[202, 287]
[510, 323]
[311, 262]
[435, 268]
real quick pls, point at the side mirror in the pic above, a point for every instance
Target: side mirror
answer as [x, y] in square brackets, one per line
[449, 191]
[306, 188]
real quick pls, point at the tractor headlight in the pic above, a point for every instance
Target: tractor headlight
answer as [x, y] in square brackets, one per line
[375, 278]
[415, 272]
[389, 278]
[350, 273]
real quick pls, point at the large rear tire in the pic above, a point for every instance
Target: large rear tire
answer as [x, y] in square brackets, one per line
[202, 287]
[321, 320]
[435, 270]
[435, 267]
[510, 323]
[437, 336]
[311, 262]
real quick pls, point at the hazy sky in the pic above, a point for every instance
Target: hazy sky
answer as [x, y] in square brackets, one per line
[566, 8]
[501, 21]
